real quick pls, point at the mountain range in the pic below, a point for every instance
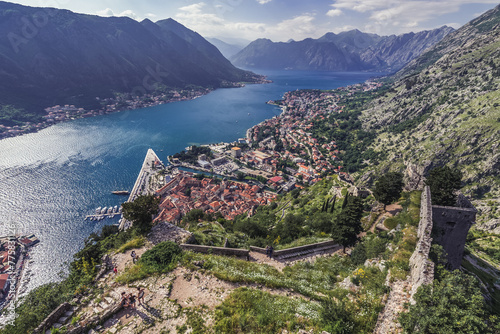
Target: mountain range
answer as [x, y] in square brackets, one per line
[51, 56]
[444, 108]
[347, 51]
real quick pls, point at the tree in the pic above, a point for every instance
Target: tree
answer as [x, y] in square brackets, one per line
[141, 211]
[388, 188]
[333, 204]
[347, 225]
[453, 305]
[443, 183]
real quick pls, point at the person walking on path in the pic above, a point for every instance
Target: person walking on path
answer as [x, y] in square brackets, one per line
[115, 270]
[133, 256]
[267, 250]
[125, 300]
[131, 298]
[140, 295]
[271, 249]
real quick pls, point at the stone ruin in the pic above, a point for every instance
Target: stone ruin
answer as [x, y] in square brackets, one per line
[445, 225]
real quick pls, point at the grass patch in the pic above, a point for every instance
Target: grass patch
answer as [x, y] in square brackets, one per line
[254, 311]
[132, 244]
[159, 259]
[309, 279]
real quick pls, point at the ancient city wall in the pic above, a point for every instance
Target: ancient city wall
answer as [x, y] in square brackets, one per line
[445, 225]
[297, 250]
[421, 268]
[216, 250]
[451, 225]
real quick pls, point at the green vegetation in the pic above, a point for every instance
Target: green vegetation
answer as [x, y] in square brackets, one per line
[82, 271]
[141, 211]
[134, 243]
[159, 259]
[191, 156]
[452, 305]
[347, 224]
[388, 188]
[443, 183]
[10, 116]
[253, 311]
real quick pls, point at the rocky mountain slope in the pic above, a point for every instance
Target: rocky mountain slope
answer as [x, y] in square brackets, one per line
[348, 51]
[51, 56]
[227, 49]
[444, 108]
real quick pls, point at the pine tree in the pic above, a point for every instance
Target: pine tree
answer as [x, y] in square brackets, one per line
[346, 199]
[333, 204]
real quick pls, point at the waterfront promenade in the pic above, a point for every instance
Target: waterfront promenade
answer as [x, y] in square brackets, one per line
[142, 185]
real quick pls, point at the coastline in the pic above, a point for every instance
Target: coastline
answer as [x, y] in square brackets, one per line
[58, 114]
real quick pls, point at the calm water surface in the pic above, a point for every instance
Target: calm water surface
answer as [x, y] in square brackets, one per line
[50, 180]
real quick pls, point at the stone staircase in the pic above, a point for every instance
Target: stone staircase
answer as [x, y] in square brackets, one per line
[64, 319]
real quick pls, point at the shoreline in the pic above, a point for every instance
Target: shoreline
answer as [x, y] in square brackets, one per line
[59, 114]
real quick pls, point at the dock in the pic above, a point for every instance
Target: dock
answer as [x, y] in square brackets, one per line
[142, 184]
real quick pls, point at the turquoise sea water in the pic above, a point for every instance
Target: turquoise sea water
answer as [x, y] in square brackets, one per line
[50, 180]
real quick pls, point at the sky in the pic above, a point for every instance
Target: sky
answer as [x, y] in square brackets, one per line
[282, 20]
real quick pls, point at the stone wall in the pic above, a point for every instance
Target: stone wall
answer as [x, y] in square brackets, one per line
[52, 318]
[451, 225]
[421, 268]
[307, 248]
[445, 225]
[217, 250]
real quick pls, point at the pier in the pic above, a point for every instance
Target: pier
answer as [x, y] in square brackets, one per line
[142, 185]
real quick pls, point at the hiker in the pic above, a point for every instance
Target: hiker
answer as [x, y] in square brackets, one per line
[115, 270]
[125, 301]
[131, 298]
[133, 256]
[267, 250]
[140, 295]
[271, 249]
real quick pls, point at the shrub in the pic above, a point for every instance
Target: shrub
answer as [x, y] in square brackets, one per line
[161, 256]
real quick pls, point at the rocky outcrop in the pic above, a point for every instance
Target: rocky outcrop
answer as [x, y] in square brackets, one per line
[168, 232]
[414, 175]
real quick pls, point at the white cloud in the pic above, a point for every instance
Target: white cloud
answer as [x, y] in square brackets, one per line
[397, 16]
[334, 12]
[263, 2]
[105, 12]
[199, 18]
[128, 13]
[109, 12]
[151, 15]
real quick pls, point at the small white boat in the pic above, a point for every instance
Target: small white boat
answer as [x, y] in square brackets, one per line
[104, 210]
[115, 209]
[98, 210]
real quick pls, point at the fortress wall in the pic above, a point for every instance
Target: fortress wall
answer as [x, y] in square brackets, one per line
[421, 268]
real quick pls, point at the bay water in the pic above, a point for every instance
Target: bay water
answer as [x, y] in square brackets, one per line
[50, 180]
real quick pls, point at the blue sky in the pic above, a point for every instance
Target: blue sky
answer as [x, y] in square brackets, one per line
[281, 20]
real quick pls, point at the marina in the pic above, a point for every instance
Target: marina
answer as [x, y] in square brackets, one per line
[102, 213]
